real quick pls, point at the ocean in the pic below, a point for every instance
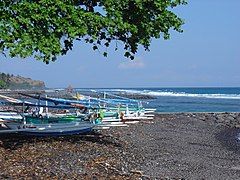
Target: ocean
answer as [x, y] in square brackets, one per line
[168, 100]
[188, 99]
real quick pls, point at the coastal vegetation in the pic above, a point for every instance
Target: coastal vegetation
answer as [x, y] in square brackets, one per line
[4, 80]
[3, 85]
[46, 29]
[8, 81]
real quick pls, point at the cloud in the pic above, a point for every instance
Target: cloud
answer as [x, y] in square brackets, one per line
[132, 64]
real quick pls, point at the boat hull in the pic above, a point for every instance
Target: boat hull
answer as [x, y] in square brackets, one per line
[57, 129]
[58, 132]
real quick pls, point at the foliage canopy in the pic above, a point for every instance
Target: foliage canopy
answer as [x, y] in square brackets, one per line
[46, 29]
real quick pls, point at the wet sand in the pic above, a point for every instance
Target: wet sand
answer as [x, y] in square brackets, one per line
[172, 146]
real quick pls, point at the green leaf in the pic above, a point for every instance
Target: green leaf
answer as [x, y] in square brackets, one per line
[47, 29]
[105, 54]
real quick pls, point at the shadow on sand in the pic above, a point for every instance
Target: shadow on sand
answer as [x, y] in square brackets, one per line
[14, 141]
[230, 139]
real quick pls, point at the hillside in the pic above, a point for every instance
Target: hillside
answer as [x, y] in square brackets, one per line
[8, 81]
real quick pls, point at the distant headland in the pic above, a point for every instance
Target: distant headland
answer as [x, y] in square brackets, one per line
[10, 81]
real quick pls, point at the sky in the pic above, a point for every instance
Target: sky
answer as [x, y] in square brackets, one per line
[206, 54]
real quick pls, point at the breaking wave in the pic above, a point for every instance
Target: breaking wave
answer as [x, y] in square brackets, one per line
[181, 94]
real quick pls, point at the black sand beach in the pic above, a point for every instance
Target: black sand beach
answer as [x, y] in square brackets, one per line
[172, 146]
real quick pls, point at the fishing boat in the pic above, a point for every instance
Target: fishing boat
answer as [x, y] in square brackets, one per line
[53, 129]
[12, 122]
[90, 114]
[36, 125]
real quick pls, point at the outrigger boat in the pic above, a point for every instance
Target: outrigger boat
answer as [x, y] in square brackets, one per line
[91, 113]
[14, 123]
[38, 124]
[122, 112]
[108, 114]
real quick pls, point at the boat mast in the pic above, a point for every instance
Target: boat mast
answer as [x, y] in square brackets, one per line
[104, 97]
[46, 107]
[24, 119]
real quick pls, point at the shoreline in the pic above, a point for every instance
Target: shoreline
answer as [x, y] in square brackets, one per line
[172, 146]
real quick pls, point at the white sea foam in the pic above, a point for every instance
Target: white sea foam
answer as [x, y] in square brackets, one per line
[181, 94]
[129, 91]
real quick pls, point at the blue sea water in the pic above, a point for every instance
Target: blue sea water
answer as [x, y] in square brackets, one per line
[189, 99]
[185, 99]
